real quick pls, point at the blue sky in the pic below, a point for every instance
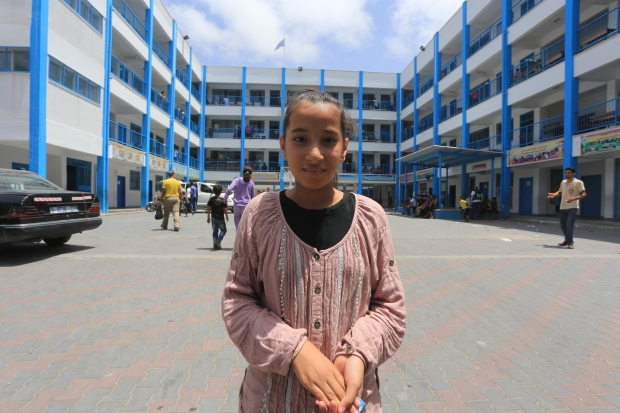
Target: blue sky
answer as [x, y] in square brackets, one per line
[369, 35]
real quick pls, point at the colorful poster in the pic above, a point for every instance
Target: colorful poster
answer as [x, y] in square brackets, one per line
[424, 174]
[378, 177]
[180, 170]
[539, 152]
[347, 177]
[605, 141]
[194, 174]
[125, 153]
[158, 164]
[266, 176]
[409, 177]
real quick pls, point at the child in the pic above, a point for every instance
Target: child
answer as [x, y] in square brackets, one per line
[313, 299]
[217, 206]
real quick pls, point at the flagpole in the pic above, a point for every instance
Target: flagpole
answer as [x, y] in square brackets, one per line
[284, 54]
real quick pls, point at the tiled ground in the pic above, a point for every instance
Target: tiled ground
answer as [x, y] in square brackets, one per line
[127, 319]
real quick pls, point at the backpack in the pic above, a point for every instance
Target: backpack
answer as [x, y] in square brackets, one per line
[478, 195]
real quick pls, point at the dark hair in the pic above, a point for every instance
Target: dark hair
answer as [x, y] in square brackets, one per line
[570, 168]
[217, 189]
[248, 169]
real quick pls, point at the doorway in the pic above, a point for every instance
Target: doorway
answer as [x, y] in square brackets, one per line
[484, 188]
[78, 175]
[451, 196]
[526, 195]
[526, 131]
[591, 206]
[120, 192]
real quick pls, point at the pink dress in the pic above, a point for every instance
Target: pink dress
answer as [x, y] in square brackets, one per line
[280, 292]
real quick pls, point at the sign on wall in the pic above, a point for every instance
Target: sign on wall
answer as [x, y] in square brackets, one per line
[194, 174]
[266, 176]
[180, 170]
[479, 167]
[544, 151]
[347, 177]
[125, 153]
[605, 141]
[158, 164]
[424, 174]
[409, 177]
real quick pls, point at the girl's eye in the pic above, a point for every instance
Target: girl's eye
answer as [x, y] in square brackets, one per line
[330, 140]
[299, 139]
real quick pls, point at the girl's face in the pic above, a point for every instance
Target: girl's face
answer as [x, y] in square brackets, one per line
[314, 144]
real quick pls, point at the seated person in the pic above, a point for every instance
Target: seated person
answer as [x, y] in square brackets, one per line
[485, 208]
[464, 208]
[407, 207]
[422, 210]
[494, 208]
[432, 205]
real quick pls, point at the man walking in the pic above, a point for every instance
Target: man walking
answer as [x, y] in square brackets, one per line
[171, 195]
[243, 187]
[193, 200]
[476, 201]
[571, 191]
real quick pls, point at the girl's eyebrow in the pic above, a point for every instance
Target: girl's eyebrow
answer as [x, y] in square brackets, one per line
[328, 130]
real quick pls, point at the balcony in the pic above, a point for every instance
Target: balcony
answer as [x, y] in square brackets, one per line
[225, 166]
[451, 65]
[493, 143]
[485, 37]
[179, 157]
[124, 74]
[161, 53]
[123, 135]
[451, 109]
[546, 130]
[158, 148]
[194, 127]
[425, 123]
[349, 103]
[600, 29]
[261, 133]
[222, 100]
[407, 133]
[540, 62]
[522, 8]
[408, 100]
[263, 101]
[426, 85]
[485, 91]
[193, 163]
[180, 116]
[599, 116]
[123, 9]
[383, 105]
[181, 76]
[380, 137]
[382, 172]
[195, 93]
[159, 101]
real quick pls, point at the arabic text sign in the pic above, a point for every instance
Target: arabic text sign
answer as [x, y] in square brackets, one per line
[607, 140]
[127, 154]
[539, 152]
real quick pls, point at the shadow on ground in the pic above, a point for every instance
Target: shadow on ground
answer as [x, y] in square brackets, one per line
[14, 255]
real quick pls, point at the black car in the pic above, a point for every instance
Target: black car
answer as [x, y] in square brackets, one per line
[34, 209]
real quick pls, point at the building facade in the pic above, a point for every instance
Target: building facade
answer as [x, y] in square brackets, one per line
[108, 95]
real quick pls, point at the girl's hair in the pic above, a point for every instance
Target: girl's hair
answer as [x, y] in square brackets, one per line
[348, 126]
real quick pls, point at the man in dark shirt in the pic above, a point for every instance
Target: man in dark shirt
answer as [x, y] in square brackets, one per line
[217, 207]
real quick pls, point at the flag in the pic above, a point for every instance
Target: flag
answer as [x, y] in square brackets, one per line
[281, 44]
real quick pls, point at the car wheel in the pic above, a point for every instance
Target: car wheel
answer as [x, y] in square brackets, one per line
[55, 242]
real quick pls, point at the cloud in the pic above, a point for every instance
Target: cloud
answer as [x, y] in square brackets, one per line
[415, 22]
[246, 32]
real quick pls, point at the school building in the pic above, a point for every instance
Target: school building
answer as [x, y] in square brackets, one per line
[108, 95]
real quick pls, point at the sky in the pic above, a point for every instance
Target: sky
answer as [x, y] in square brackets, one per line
[368, 35]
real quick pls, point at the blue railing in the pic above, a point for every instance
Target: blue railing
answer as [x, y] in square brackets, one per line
[226, 166]
[262, 101]
[179, 157]
[493, 143]
[219, 133]
[428, 83]
[195, 93]
[451, 65]
[125, 74]
[485, 91]
[130, 17]
[349, 103]
[223, 100]
[161, 53]
[181, 76]
[193, 163]
[180, 116]
[194, 127]
[542, 131]
[375, 104]
[485, 37]
[600, 29]
[522, 7]
[262, 133]
[407, 133]
[425, 123]
[384, 137]
[121, 134]
[408, 100]
[87, 12]
[599, 116]
[159, 100]
[382, 169]
[451, 109]
[540, 62]
[158, 148]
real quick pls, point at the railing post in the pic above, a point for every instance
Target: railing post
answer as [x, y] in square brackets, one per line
[506, 109]
[172, 96]
[571, 83]
[416, 118]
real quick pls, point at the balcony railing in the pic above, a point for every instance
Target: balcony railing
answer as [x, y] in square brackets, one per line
[375, 104]
[485, 37]
[130, 17]
[180, 117]
[600, 29]
[159, 101]
[408, 100]
[158, 148]
[222, 100]
[181, 76]
[540, 62]
[125, 74]
[195, 93]
[382, 137]
[522, 8]
[382, 169]
[194, 127]
[428, 83]
[599, 116]
[226, 166]
[485, 91]
[542, 131]
[451, 65]
[122, 134]
[349, 103]
[425, 123]
[451, 109]
[262, 133]
[179, 157]
[493, 143]
[193, 163]
[265, 101]
[161, 53]
[407, 133]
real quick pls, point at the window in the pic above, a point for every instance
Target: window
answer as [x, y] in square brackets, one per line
[158, 182]
[479, 135]
[368, 159]
[69, 78]
[348, 100]
[14, 59]
[452, 143]
[87, 12]
[205, 188]
[226, 155]
[134, 180]
[333, 94]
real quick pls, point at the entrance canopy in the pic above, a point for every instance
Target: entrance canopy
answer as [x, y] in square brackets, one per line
[436, 156]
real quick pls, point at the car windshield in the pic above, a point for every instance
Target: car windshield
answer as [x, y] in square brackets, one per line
[25, 182]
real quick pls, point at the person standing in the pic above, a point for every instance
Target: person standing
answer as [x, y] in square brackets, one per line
[193, 199]
[571, 192]
[243, 188]
[171, 195]
[476, 200]
[217, 207]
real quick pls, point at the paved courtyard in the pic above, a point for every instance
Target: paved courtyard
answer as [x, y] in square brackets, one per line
[127, 319]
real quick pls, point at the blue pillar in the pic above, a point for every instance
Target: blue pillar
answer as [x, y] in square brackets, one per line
[465, 98]
[282, 107]
[571, 83]
[103, 161]
[172, 96]
[492, 194]
[203, 124]
[243, 97]
[322, 80]
[146, 119]
[439, 178]
[399, 137]
[38, 87]
[360, 111]
[188, 113]
[416, 118]
[436, 105]
[506, 110]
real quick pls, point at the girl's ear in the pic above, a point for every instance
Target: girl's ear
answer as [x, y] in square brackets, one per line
[345, 147]
[282, 147]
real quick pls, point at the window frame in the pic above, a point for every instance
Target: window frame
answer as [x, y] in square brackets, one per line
[93, 90]
[133, 184]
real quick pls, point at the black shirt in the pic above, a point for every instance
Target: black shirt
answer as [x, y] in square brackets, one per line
[217, 207]
[319, 228]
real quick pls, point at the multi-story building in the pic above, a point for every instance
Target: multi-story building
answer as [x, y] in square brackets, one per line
[108, 95]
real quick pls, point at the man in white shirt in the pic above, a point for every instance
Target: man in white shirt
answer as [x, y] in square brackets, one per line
[226, 101]
[571, 191]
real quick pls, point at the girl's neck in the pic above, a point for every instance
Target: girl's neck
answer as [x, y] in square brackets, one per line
[315, 198]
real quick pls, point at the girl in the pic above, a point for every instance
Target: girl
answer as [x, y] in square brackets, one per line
[313, 299]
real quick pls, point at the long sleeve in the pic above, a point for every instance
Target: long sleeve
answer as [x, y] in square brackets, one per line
[377, 335]
[230, 188]
[266, 342]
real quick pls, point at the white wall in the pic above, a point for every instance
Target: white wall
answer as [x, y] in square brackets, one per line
[15, 22]
[223, 74]
[10, 154]
[261, 76]
[451, 29]
[14, 106]
[305, 77]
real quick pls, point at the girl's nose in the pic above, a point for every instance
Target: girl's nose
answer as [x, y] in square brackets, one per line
[314, 154]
